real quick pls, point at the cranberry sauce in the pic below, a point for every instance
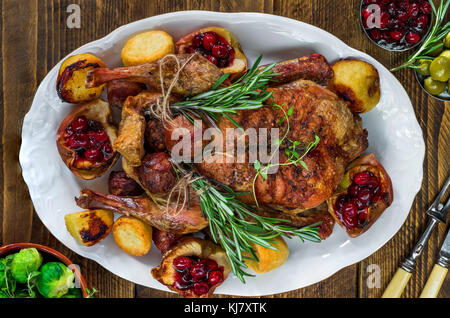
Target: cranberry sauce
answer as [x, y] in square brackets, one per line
[89, 140]
[396, 24]
[196, 274]
[214, 48]
[352, 208]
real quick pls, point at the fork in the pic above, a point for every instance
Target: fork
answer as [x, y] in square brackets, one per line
[438, 213]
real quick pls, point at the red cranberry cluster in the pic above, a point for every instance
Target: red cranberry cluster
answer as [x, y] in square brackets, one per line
[89, 140]
[214, 48]
[352, 207]
[198, 274]
[402, 23]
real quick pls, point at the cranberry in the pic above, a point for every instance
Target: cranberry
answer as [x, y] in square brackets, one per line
[81, 140]
[404, 5]
[93, 154]
[350, 221]
[384, 19]
[198, 270]
[372, 183]
[219, 51]
[375, 34]
[422, 21]
[360, 205]
[353, 189]
[212, 59]
[211, 264]
[101, 136]
[215, 277]
[396, 35]
[107, 148]
[402, 16]
[182, 262]
[365, 195]
[392, 9]
[361, 177]
[201, 288]
[68, 131]
[197, 41]
[412, 37]
[209, 40]
[425, 7]
[80, 123]
[180, 283]
[413, 10]
[366, 13]
[350, 209]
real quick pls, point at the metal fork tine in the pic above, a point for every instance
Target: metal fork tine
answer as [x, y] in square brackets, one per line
[441, 194]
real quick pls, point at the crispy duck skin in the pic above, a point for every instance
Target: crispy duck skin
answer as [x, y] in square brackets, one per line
[313, 67]
[186, 221]
[198, 76]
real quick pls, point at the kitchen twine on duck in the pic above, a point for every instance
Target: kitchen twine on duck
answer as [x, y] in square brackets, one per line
[161, 110]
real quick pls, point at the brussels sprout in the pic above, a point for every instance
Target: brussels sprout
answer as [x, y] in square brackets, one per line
[26, 261]
[73, 293]
[55, 280]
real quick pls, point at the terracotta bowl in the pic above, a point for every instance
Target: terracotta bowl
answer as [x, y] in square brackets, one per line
[47, 251]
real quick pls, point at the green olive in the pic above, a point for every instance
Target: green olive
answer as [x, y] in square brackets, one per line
[434, 87]
[424, 67]
[447, 40]
[440, 69]
[446, 54]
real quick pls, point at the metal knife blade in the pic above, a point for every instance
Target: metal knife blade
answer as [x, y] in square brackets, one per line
[444, 253]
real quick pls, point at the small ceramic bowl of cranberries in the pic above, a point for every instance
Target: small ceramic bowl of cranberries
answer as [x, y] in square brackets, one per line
[396, 25]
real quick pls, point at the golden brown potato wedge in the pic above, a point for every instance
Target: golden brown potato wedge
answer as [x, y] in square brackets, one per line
[72, 76]
[147, 47]
[269, 259]
[358, 83]
[132, 235]
[89, 227]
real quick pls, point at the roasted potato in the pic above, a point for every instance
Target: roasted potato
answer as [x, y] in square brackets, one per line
[132, 235]
[72, 76]
[269, 259]
[358, 83]
[89, 227]
[147, 47]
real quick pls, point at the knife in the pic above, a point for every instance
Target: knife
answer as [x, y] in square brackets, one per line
[439, 271]
[437, 213]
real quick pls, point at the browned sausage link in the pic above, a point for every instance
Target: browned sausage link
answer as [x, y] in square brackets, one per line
[154, 135]
[156, 173]
[312, 67]
[119, 90]
[120, 184]
[163, 240]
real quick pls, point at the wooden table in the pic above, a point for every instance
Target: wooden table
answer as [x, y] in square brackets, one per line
[34, 37]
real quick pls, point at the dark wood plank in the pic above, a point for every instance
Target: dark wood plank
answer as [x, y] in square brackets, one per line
[35, 37]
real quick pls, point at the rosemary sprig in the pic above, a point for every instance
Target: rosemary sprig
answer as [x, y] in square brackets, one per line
[247, 93]
[433, 39]
[234, 225]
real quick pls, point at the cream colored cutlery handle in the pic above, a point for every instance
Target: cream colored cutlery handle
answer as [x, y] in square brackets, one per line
[434, 282]
[397, 284]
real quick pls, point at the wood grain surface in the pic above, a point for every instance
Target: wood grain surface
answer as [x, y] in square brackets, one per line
[34, 37]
